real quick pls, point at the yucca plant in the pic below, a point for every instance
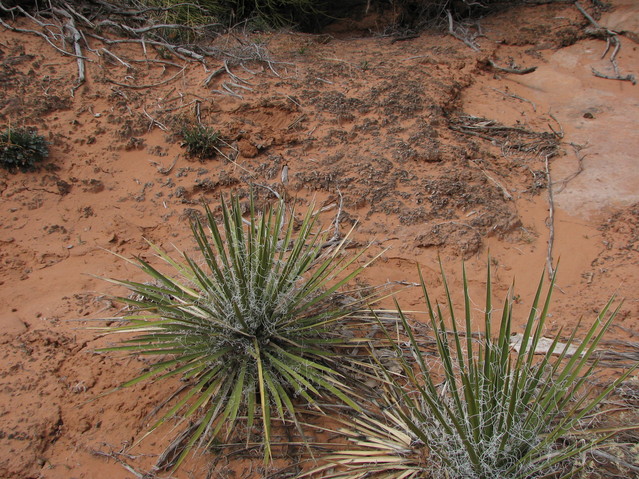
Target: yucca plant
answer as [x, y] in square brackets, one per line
[252, 327]
[480, 410]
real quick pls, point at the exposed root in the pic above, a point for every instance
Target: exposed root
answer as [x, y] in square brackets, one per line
[612, 40]
[68, 29]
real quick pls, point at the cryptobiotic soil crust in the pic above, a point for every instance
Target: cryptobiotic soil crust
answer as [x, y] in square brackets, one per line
[433, 148]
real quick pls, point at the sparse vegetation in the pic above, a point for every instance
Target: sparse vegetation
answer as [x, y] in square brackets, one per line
[252, 326]
[22, 149]
[478, 411]
[200, 141]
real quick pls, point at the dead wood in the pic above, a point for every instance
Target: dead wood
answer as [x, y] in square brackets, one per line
[465, 38]
[516, 71]
[69, 28]
[612, 39]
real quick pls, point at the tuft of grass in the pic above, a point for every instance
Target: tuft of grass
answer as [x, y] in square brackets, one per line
[22, 149]
[252, 326]
[200, 141]
[480, 410]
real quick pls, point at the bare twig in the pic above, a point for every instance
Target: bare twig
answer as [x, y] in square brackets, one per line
[612, 38]
[631, 78]
[551, 220]
[117, 58]
[154, 122]
[116, 458]
[142, 87]
[213, 74]
[501, 187]
[336, 236]
[40, 34]
[451, 29]
[75, 37]
[614, 459]
[179, 107]
[560, 133]
[166, 171]
[572, 176]
[517, 97]
[516, 71]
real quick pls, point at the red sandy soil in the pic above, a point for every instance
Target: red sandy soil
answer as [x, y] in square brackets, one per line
[362, 115]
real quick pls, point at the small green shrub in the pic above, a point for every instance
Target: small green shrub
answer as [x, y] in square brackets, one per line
[252, 326]
[480, 410]
[200, 141]
[21, 149]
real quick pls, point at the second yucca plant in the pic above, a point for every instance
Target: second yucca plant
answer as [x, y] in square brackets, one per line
[251, 326]
[473, 408]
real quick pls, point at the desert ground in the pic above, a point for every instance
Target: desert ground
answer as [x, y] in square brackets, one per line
[433, 147]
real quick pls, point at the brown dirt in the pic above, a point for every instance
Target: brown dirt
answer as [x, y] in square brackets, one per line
[365, 116]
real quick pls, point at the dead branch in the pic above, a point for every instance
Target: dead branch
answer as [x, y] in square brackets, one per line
[213, 74]
[517, 97]
[166, 171]
[75, 36]
[614, 459]
[560, 133]
[336, 236]
[612, 38]
[154, 122]
[516, 71]
[142, 87]
[630, 78]
[117, 58]
[116, 458]
[572, 176]
[451, 29]
[506, 194]
[551, 220]
[35, 32]
[141, 30]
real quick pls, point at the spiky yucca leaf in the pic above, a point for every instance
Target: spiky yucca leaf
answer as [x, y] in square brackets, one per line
[251, 326]
[480, 410]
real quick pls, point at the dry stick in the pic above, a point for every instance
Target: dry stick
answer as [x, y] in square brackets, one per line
[572, 176]
[559, 134]
[614, 459]
[121, 462]
[517, 97]
[451, 30]
[198, 113]
[153, 60]
[213, 74]
[336, 235]
[141, 87]
[117, 58]
[503, 189]
[237, 85]
[516, 71]
[35, 32]
[69, 25]
[154, 121]
[230, 91]
[611, 39]
[69, 8]
[630, 78]
[179, 107]
[232, 75]
[551, 220]
[180, 52]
